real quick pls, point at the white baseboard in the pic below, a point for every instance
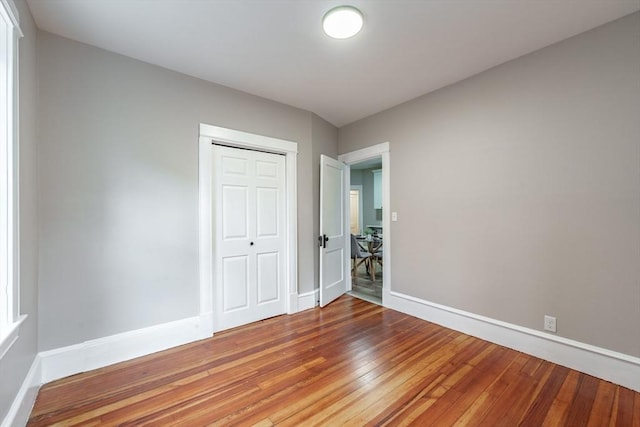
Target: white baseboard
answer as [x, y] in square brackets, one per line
[618, 368]
[62, 362]
[20, 409]
[308, 300]
[292, 303]
[65, 361]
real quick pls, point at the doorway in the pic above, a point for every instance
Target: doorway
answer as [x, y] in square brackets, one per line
[367, 230]
[369, 173]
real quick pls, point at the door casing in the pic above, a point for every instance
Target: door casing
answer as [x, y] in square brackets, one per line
[379, 150]
[239, 139]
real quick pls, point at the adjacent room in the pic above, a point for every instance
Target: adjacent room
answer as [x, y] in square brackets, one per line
[289, 212]
[365, 220]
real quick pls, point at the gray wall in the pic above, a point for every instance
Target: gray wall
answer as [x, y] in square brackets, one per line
[118, 199]
[518, 190]
[16, 363]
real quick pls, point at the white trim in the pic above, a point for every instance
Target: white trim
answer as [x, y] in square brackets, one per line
[235, 138]
[22, 405]
[609, 365]
[379, 150]
[12, 15]
[292, 225]
[9, 189]
[94, 354]
[364, 153]
[308, 300]
[10, 335]
[205, 239]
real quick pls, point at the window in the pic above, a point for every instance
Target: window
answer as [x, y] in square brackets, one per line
[9, 310]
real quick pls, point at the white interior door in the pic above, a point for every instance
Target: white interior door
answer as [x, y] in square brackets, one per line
[249, 238]
[334, 259]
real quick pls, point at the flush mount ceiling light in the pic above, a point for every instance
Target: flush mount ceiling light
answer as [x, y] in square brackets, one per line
[342, 22]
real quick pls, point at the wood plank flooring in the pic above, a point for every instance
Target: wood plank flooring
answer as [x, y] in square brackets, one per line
[352, 363]
[362, 286]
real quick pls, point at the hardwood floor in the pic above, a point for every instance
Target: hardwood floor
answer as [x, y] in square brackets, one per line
[363, 287]
[351, 363]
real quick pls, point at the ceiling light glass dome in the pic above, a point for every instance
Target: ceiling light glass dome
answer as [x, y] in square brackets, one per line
[342, 22]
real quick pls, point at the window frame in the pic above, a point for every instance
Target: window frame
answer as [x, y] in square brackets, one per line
[10, 318]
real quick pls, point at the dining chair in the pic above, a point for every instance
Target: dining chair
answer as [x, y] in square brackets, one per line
[378, 257]
[359, 256]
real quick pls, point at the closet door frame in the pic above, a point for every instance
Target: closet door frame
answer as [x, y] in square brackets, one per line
[238, 139]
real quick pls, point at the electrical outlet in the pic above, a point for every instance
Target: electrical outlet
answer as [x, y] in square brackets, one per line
[549, 323]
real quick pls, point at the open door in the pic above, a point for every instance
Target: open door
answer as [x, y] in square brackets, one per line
[334, 234]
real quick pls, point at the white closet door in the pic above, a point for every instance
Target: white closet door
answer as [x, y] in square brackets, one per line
[249, 238]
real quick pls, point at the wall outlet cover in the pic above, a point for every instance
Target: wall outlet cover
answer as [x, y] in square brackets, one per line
[549, 323]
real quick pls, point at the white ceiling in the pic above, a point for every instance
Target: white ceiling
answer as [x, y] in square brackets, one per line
[276, 48]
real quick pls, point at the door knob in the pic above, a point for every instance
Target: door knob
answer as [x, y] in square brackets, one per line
[251, 243]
